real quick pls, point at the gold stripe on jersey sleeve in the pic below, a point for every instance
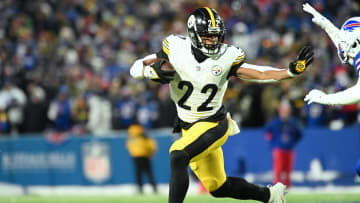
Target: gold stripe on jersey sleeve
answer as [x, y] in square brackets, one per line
[166, 50]
[165, 45]
[235, 63]
[240, 58]
[166, 42]
[211, 16]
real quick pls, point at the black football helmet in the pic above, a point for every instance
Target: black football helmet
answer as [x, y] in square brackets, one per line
[206, 22]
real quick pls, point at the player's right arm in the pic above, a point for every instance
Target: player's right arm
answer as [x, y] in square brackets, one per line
[139, 69]
[150, 66]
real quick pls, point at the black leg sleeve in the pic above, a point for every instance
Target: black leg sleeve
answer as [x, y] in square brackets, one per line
[239, 188]
[179, 178]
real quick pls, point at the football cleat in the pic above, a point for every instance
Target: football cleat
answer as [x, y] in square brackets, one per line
[277, 193]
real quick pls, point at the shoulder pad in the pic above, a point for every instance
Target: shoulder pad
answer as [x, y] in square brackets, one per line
[171, 41]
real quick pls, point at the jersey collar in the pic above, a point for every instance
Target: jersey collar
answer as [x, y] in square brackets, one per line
[199, 56]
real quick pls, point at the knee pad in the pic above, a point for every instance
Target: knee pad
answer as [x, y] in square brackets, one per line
[179, 158]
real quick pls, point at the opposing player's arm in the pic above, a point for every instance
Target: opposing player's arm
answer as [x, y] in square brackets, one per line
[348, 96]
[324, 23]
[265, 74]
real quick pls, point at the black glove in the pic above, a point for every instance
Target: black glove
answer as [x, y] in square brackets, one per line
[165, 76]
[303, 59]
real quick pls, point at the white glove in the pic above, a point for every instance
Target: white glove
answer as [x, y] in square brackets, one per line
[324, 23]
[318, 19]
[316, 96]
[139, 71]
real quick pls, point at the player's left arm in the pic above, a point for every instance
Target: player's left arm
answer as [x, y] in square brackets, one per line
[265, 74]
[348, 96]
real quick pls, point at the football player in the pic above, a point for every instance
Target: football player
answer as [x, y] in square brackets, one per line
[202, 65]
[347, 41]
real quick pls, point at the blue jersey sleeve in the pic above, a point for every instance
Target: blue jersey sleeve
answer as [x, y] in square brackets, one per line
[357, 63]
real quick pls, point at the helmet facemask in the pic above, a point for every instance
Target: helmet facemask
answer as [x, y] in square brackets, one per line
[210, 42]
[347, 49]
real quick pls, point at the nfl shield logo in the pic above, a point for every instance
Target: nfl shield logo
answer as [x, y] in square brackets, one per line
[96, 161]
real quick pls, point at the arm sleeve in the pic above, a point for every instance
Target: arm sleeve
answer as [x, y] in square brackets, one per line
[137, 69]
[261, 69]
[348, 96]
[332, 31]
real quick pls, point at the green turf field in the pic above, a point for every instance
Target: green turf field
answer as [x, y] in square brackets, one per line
[301, 198]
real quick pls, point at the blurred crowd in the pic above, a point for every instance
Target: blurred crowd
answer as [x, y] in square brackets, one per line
[64, 65]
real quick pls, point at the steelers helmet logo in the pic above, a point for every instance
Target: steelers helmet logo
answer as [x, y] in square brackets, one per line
[191, 21]
[300, 66]
[216, 70]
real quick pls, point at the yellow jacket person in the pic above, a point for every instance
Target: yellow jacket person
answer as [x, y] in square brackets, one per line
[138, 144]
[141, 148]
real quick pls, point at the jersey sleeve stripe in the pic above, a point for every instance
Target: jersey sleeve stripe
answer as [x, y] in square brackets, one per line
[166, 50]
[238, 60]
[235, 63]
[166, 42]
[357, 61]
[240, 57]
[167, 46]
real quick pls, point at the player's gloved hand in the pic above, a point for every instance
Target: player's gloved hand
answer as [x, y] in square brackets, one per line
[318, 19]
[303, 60]
[155, 73]
[316, 96]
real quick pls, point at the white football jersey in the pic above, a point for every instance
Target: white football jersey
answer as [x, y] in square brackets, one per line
[198, 88]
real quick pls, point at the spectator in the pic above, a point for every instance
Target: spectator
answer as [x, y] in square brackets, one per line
[99, 122]
[283, 132]
[35, 119]
[125, 109]
[80, 114]
[60, 111]
[12, 101]
[141, 148]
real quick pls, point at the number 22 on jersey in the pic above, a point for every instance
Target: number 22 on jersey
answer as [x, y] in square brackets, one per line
[204, 106]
